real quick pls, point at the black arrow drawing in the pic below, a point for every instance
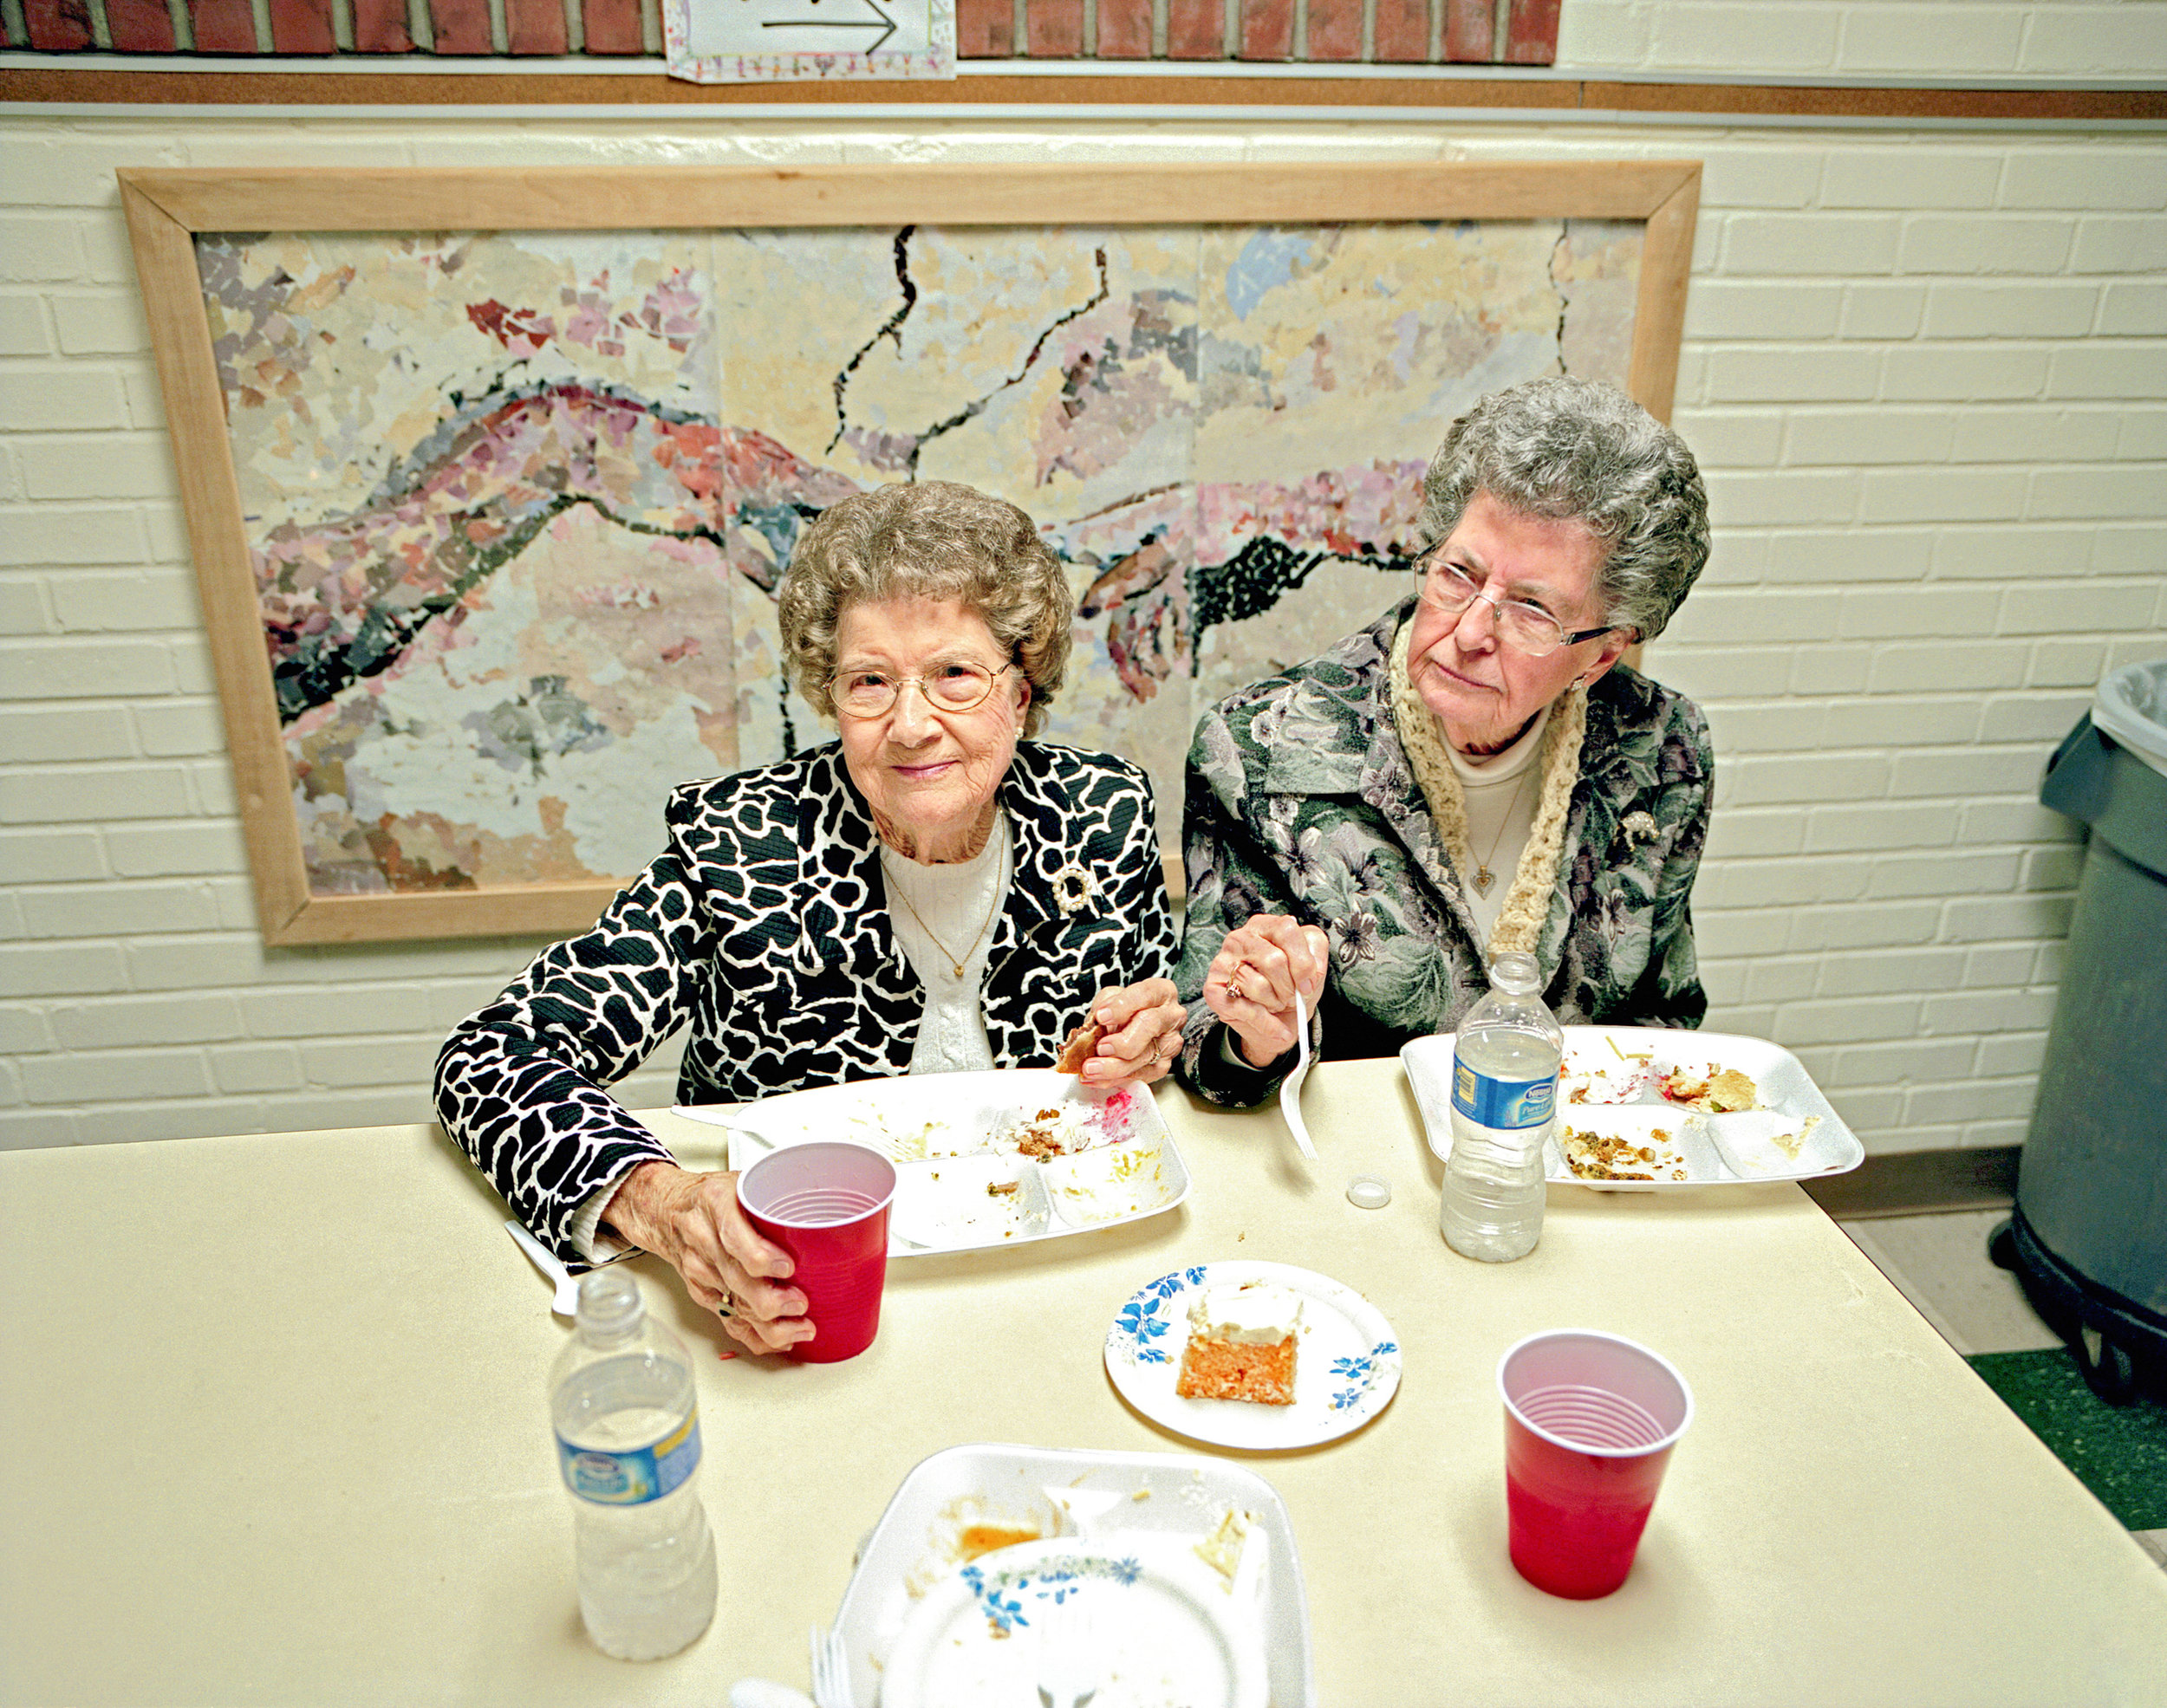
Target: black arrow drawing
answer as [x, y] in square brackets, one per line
[886, 25]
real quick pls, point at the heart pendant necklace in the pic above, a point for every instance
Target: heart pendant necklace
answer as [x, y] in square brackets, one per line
[1483, 876]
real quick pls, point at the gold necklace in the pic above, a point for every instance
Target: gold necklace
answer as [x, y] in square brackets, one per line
[1483, 876]
[897, 890]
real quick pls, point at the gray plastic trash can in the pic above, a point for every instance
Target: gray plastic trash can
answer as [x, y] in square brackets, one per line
[2089, 1237]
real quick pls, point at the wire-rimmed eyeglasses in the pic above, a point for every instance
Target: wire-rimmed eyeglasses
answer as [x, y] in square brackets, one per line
[1526, 627]
[948, 687]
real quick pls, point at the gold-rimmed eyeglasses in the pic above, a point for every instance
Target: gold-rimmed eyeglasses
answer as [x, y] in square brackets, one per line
[1523, 626]
[948, 687]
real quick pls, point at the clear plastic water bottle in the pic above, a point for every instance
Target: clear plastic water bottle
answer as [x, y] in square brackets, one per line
[627, 1441]
[1505, 1061]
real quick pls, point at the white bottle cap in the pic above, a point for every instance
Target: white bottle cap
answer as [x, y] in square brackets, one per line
[1367, 1193]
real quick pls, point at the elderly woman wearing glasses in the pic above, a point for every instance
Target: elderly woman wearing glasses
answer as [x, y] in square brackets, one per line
[933, 892]
[1472, 773]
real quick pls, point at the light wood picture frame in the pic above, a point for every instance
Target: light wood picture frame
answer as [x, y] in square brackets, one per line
[168, 211]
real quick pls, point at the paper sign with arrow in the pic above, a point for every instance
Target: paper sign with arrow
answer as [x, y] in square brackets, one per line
[746, 41]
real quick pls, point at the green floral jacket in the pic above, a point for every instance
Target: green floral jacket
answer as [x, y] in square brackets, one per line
[1300, 801]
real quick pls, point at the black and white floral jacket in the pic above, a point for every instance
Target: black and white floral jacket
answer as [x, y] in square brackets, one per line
[764, 924]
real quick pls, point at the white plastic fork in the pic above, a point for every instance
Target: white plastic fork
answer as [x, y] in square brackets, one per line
[830, 1669]
[1248, 1582]
[564, 1296]
[1068, 1654]
[1291, 1087]
[566, 1301]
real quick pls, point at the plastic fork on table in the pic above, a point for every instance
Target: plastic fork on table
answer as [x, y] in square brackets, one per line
[1291, 1087]
[830, 1669]
[566, 1302]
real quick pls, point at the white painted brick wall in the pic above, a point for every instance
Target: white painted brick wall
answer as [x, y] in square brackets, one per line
[1988, 366]
[1924, 371]
[2124, 39]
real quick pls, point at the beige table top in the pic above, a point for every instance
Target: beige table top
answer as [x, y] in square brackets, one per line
[276, 1431]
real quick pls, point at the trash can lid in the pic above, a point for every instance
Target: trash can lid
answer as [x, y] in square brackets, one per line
[2131, 705]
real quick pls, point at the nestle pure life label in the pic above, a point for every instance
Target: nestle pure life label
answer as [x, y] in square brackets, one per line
[631, 1478]
[1511, 1103]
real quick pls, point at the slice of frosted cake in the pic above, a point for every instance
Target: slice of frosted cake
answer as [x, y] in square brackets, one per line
[1241, 1345]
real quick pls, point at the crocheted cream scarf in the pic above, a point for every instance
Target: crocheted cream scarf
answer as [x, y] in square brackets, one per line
[1520, 923]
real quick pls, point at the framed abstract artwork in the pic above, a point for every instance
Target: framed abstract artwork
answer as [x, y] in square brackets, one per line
[489, 475]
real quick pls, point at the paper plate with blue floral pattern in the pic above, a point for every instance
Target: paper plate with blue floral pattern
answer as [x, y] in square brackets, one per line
[1154, 1621]
[1346, 1360]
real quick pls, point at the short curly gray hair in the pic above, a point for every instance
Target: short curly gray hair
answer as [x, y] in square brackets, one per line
[1579, 451]
[935, 540]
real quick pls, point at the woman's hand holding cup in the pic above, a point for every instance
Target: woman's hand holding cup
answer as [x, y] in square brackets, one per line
[695, 1223]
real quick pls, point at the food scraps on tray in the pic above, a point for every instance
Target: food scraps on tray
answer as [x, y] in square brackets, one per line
[1596, 1156]
[1713, 1090]
[1067, 1128]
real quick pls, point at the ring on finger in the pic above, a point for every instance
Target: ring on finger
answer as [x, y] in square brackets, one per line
[727, 1306]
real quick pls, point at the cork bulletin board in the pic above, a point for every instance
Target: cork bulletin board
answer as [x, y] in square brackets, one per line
[489, 475]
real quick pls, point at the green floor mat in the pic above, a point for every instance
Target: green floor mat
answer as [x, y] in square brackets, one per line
[2119, 1453]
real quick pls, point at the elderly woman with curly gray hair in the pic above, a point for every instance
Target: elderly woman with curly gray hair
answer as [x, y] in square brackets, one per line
[1474, 772]
[933, 892]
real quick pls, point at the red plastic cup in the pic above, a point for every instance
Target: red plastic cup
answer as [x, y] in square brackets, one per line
[826, 1204]
[1590, 1420]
